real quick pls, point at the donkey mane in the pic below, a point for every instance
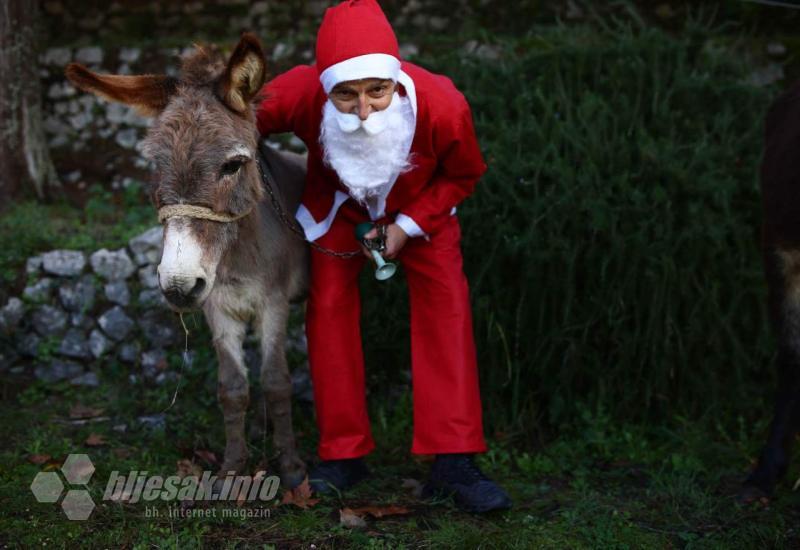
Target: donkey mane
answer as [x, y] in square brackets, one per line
[205, 66]
[202, 66]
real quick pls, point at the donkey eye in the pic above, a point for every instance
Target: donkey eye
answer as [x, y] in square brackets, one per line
[231, 167]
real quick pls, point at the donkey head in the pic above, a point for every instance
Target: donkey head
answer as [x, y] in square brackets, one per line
[203, 145]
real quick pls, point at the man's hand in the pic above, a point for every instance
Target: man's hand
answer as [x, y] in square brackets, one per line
[395, 240]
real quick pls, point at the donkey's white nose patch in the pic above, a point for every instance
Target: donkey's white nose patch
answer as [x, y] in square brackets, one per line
[183, 253]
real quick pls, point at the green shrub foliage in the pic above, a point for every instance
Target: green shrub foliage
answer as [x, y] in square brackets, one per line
[612, 247]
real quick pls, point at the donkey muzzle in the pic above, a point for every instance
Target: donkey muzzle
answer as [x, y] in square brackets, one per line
[183, 292]
[185, 273]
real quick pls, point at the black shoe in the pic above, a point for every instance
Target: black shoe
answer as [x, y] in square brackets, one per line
[459, 476]
[337, 474]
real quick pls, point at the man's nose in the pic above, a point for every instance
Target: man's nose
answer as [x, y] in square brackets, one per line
[364, 108]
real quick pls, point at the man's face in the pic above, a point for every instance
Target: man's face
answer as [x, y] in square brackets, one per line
[362, 97]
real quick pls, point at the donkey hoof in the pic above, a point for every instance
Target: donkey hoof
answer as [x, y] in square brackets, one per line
[228, 466]
[292, 470]
[293, 479]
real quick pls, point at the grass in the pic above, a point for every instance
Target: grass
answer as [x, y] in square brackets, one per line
[612, 247]
[597, 484]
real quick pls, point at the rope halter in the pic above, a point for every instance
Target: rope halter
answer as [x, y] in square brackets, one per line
[198, 212]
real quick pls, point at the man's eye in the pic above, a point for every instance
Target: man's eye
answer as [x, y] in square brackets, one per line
[231, 167]
[380, 91]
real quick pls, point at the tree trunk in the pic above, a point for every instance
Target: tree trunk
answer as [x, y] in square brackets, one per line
[24, 157]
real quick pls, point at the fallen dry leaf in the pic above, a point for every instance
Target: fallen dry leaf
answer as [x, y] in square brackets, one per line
[300, 496]
[82, 411]
[381, 511]
[354, 517]
[122, 452]
[38, 459]
[188, 468]
[95, 440]
[349, 518]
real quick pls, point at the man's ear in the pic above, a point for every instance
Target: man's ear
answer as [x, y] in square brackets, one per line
[245, 74]
[148, 93]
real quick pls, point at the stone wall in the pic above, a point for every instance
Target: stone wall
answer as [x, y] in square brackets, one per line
[76, 21]
[81, 312]
[79, 22]
[81, 309]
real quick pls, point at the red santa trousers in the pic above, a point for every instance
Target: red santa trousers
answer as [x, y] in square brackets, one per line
[447, 407]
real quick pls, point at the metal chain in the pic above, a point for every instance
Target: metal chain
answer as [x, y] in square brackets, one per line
[266, 177]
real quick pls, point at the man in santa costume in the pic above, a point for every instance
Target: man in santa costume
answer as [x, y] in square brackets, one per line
[391, 143]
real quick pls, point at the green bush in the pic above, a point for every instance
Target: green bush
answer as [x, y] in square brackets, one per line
[612, 247]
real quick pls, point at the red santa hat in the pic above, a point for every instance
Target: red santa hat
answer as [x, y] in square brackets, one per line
[355, 41]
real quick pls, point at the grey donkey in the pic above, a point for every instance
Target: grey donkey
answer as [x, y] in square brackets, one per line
[225, 248]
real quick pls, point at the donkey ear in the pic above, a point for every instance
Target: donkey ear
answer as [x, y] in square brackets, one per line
[245, 74]
[148, 93]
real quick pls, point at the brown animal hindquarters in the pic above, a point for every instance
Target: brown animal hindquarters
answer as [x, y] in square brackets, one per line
[780, 189]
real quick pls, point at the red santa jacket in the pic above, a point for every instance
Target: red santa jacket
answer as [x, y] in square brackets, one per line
[447, 160]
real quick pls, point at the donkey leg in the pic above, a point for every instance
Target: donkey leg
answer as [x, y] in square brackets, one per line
[257, 430]
[277, 387]
[233, 390]
[783, 274]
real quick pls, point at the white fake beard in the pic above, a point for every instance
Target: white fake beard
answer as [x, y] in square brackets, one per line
[368, 154]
